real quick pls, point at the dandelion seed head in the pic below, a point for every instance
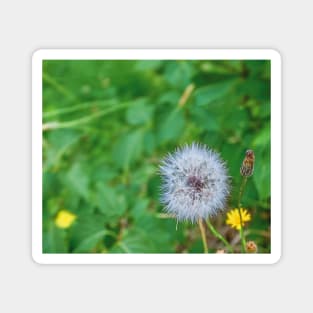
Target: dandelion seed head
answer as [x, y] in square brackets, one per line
[195, 183]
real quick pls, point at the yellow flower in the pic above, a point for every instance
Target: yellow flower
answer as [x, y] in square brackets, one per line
[65, 219]
[233, 218]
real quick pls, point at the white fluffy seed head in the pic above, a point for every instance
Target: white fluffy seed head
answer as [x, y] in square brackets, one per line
[195, 183]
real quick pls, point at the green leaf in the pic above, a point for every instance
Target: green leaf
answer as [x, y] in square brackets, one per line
[102, 172]
[58, 143]
[149, 142]
[257, 67]
[148, 65]
[204, 119]
[109, 201]
[128, 149]
[206, 95]
[54, 239]
[140, 208]
[87, 231]
[50, 183]
[178, 73]
[170, 97]
[139, 112]
[142, 174]
[262, 172]
[255, 88]
[90, 242]
[235, 119]
[160, 232]
[135, 241]
[77, 180]
[172, 127]
[265, 109]
[153, 187]
[264, 136]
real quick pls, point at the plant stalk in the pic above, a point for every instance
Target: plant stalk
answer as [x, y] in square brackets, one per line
[242, 235]
[84, 120]
[219, 236]
[202, 227]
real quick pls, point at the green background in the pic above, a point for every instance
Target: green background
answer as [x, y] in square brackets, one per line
[108, 123]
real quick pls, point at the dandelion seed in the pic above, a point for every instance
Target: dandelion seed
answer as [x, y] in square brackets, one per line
[233, 218]
[195, 183]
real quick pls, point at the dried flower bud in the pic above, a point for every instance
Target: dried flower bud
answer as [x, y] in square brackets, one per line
[247, 166]
[220, 251]
[251, 247]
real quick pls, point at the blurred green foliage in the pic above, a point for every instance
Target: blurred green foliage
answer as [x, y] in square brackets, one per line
[106, 126]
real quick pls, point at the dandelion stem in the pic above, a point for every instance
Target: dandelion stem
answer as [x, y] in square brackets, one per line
[203, 235]
[242, 235]
[219, 236]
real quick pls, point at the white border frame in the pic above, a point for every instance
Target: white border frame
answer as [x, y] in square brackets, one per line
[145, 54]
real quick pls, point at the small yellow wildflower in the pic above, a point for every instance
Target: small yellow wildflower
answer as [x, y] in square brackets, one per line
[233, 218]
[65, 219]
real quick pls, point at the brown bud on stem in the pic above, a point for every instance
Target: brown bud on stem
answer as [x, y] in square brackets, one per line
[251, 247]
[247, 166]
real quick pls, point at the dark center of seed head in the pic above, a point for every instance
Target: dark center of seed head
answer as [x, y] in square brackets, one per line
[195, 183]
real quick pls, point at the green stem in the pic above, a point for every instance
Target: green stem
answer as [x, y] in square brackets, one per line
[84, 120]
[219, 236]
[50, 80]
[242, 235]
[203, 235]
[77, 107]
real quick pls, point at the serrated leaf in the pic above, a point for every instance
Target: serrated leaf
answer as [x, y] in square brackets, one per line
[140, 208]
[159, 231]
[134, 241]
[128, 149]
[206, 95]
[77, 180]
[172, 127]
[139, 112]
[90, 242]
[58, 143]
[110, 202]
[87, 231]
[178, 73]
